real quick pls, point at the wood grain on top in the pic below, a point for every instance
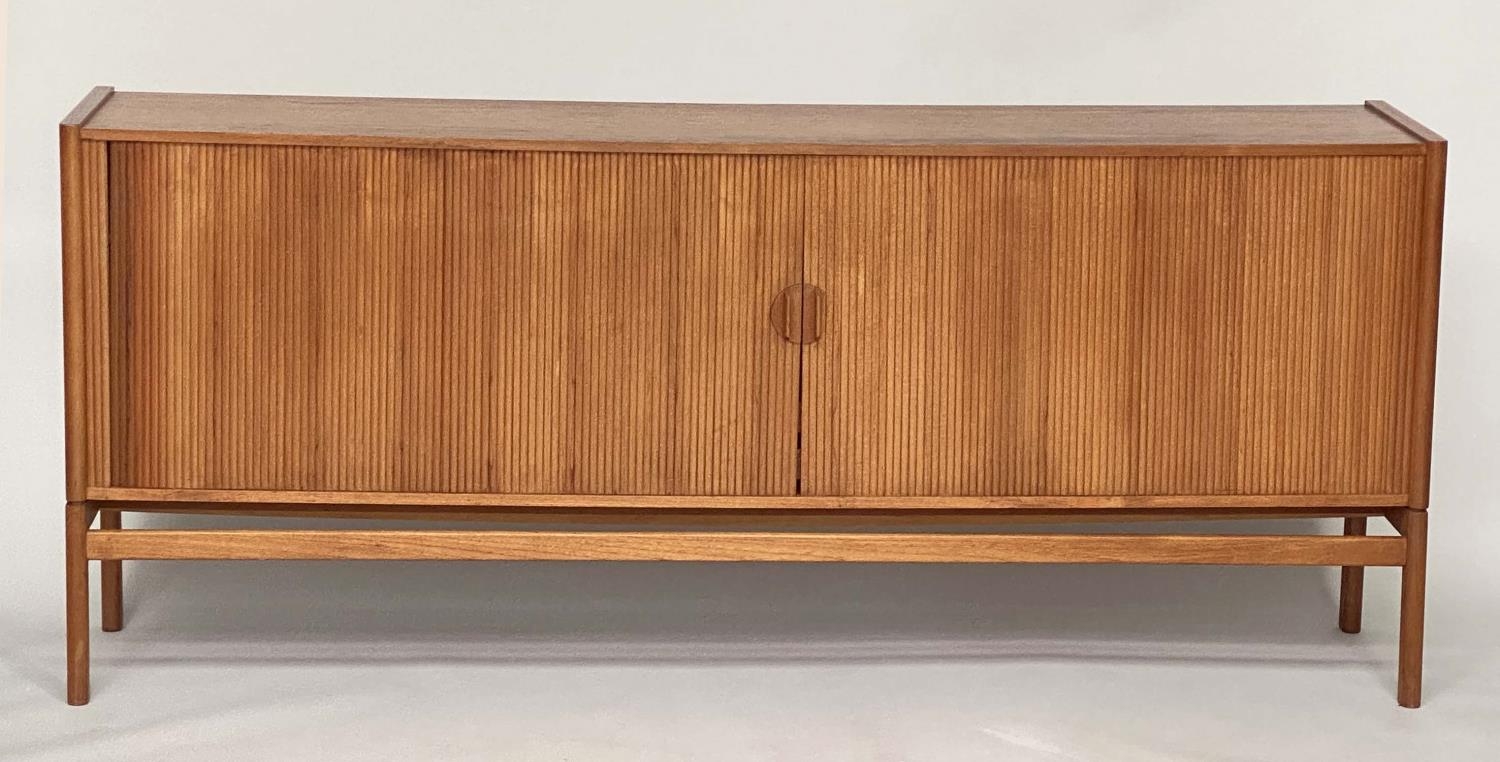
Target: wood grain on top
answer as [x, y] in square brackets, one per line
[721, 128]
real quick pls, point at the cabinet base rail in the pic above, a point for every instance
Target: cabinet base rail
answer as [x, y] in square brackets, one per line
[1353, 550]
[527, 545]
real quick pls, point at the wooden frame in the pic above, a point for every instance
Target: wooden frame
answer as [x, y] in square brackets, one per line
[779, 165]
[539, 545]
[1353, 550]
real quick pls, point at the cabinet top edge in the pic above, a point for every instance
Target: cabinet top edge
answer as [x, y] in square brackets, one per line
[1373, 127]
[86, 108]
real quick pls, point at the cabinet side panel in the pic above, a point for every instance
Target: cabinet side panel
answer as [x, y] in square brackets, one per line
[1436, 169]
[1112, 326]
[400, 320]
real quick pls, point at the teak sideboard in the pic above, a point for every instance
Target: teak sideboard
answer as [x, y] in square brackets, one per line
[790, 333]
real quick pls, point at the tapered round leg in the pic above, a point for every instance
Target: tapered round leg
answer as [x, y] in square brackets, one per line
[111, 582]
[1352, 583]
[1413, 604]
[78, 604]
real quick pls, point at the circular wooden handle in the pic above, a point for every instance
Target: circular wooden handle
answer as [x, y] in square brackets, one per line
[797, 313]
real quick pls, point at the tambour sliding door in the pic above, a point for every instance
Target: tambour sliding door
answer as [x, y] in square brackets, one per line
[404, 320]
[339, 318]
[1112, 325]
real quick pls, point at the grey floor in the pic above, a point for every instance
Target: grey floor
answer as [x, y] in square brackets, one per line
[554, 661]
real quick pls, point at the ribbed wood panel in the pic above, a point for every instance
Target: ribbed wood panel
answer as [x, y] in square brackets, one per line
[452, 321]
[95, 241]
[1092, 326]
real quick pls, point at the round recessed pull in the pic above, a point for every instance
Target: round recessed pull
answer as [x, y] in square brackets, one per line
[797, 313]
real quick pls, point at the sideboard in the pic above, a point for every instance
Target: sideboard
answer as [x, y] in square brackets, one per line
[747, 332]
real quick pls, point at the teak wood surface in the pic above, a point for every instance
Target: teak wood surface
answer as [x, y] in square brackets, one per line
[749, 129]
[1126, 326]
[742, 546]
[327, 306]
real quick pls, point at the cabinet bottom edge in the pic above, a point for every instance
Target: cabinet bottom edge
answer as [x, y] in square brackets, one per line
[476, 500]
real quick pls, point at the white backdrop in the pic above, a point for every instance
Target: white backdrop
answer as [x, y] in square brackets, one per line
[553, 661]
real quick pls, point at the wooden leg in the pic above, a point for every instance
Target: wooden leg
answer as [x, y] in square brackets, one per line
[1413, 603]
[1352, 583]
[77, 526]
[111, 583]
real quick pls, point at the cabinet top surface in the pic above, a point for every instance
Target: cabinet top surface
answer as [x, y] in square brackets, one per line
[725, 128]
